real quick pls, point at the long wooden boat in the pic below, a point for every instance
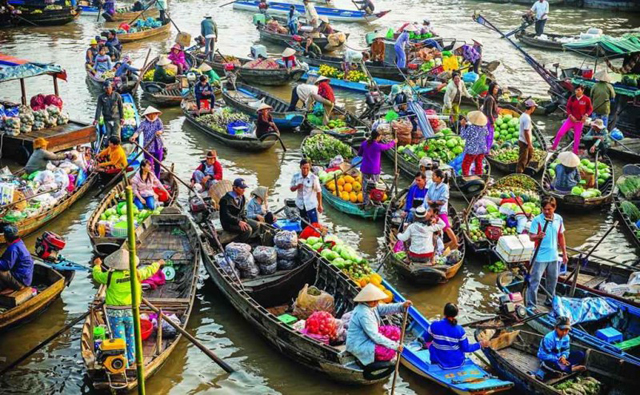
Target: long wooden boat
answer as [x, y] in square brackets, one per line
[262, 299]
[284, 39]
[552, 42]
[626, 321]
[97, 81]
[334, 14]
[628, 225]
[245, 142]
[22, 306]
[540, 143]
[468, 379]
[268, 77]
[573, 202]
[387, 71]
[594, 273]
[353, 209]
[126, 14]
[629, 152]
[383, 84]
[166, 95]
[169, 236]
[514, 355]
[484, 246]
[29, 225]
[38, 15]
[105, 245]
[420, 273]
[130, 37]
[246, 98]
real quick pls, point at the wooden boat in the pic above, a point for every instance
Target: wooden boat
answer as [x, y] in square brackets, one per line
[336, 83]
[415, 357]
[596, 272]
[262, 299]
[627, 224]
[539, 143]
[105, 245]
[130, 37]
[514, 355]
[269, 77]
[245, 142]
[419, 273]
[167, 95]
[552, 42]
[29, 225]
[627, 150]
[38, 15]
[126, 14]
[22, 306]
[578, 203]
[355, 209]
[626, 321]
[284, 39]
[97, 81]
[169, 236]
[246, 98]
[485, 246]
[334, 14]
[387, 71]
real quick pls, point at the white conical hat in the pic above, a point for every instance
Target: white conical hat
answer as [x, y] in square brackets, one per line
[370, 293]
[119, 260]
[151, 110]
[264, 106]
[288, 52]
[569, 159]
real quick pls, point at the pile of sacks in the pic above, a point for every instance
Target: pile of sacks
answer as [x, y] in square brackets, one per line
[44, 112]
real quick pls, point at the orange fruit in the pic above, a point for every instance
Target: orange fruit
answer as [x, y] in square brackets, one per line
[344, 195]
[385, 197]
[331, 185]
[348, 187]
[340, 188]
[353, 197]
[360, 198]
[357, 186]
[348, 179]
[341, 181]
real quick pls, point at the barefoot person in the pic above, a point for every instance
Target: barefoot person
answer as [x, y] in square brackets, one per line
[554, 352]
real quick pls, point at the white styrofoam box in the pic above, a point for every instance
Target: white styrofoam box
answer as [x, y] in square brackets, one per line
[515, 248]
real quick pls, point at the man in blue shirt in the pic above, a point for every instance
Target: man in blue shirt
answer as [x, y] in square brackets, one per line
[554, 352]
[16, 265]
[449, 341]
[547, 258]
[415, 196]
[209, 30]
[126, 70]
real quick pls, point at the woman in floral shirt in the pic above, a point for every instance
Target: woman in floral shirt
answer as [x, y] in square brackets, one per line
[474, 132]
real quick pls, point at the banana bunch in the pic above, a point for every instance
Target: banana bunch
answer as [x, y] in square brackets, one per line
[327, 71]
[356, 76]
[148, 76]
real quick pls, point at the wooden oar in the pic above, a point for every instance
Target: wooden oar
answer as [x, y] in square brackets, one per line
[144, 66]
[226, 4]
[192, 339]
[401, 342]
[46, 341]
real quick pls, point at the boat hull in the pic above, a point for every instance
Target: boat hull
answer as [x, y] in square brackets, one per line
[334, 14]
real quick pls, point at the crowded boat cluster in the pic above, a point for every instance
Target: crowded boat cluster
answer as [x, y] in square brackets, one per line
[566, 321]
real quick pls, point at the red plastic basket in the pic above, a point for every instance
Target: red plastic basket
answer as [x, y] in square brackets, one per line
[146, 327]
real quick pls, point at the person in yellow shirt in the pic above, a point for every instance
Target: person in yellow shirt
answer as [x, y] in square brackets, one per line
[113, 158]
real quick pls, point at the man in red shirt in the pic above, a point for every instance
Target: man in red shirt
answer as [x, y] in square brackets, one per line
[578, 108]
[326, 93]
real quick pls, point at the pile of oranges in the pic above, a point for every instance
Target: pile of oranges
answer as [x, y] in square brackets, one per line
[349, 188]
[376, 279]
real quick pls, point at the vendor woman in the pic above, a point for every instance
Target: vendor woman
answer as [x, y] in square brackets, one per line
[152, 129]
[160, 73]
[147, 188]
[40, 158]
[567, 173]
[363, 334]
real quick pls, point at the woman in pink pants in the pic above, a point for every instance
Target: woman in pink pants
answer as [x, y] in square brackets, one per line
[578, 108]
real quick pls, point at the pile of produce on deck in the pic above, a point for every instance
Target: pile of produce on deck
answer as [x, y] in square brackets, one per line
[510, 155]
[335, 125]
[445, 147]
[322, 148]
[148, 76]
[498, 208]
[114, 219]
[505, 141]
[59, 181]
[629, 187]
[130, 124]
[44, 112]
[392, 126]
[139, 26]
[222, 120]
[579, 386]
[347, 259]
[332, 72]
[632, 211]
[587, 169]
[346, 187]
[105, 75]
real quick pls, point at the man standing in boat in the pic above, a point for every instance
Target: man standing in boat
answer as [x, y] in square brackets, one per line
[110, 108]
[209, 30]
[16, 264]
[311, 14]
[309, 192]
[541, 11]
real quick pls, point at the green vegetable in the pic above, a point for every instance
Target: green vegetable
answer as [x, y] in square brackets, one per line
[630, 210]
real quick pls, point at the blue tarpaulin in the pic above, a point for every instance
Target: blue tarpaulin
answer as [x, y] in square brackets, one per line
[423, 122]
[14, 69]
[581, 310]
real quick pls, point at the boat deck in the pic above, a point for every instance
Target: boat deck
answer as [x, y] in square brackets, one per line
[523, 361]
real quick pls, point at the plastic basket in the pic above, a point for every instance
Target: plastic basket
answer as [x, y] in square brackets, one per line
[120, 230]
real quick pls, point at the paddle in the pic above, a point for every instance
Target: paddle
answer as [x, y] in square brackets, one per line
[46, 341]
[144, 66]
[399, 357]
[192, 339]
[226, 4]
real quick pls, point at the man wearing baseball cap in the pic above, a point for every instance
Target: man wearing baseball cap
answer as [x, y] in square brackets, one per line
[525, 140]
[233, 215]
[554, 352]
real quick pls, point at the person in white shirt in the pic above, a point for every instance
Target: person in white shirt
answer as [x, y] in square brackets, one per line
[309, 198]
[306, 93]
[311, 14]
[541, 11]
[420, 233]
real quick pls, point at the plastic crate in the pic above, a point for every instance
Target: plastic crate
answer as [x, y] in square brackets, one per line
[609, 334]
[285, 224]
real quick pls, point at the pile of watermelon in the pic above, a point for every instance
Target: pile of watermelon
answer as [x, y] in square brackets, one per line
[507, 129]
[322, 323]
[445, 147]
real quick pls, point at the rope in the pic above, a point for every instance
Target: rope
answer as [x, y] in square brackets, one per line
[633, 61]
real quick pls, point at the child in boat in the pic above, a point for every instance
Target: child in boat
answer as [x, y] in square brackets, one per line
[554, 352]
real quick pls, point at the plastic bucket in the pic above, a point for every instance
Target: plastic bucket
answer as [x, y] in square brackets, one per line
[146, 327]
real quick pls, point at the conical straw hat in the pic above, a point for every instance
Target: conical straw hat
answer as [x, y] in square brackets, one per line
[370, 293]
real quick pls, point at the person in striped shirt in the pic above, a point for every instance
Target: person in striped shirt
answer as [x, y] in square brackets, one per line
[449, 341]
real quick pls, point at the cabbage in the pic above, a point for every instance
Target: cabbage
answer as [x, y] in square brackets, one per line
[313, 240]
[481, 210]
[577, 190]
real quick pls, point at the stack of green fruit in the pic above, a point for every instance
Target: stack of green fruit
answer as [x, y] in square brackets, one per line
[477, 235]
[219, 119]
[321, 148]
[342, 256]
[510, 155]
[510, 231]
[507, 129]
[444, 146]
[118, 213]
[496, 267]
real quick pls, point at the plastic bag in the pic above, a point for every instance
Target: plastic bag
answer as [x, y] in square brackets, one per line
[53, 100]
[310, 299]
[37, 102]
[252, 271]
[286, 264]
[286, 239]
[238, 252]
[264, 255]
[266, 269]
[383, 353]
[226, 264]
[286, 253]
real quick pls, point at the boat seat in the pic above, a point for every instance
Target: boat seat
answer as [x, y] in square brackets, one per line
[10, 298]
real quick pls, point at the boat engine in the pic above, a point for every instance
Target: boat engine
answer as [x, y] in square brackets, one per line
[511, 307]
[198, 208]
[112, 355]
[49, 245]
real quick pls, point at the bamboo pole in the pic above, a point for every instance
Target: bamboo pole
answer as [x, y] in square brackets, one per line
[399, 357]
[135, 291]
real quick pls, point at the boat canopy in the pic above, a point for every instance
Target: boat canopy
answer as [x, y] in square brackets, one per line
[607, 46]
[15, 69]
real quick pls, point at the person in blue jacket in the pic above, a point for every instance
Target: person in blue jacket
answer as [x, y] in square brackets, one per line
[16, 264]
[449, 341]
[554, 352]
[399, 46]
[415, 196]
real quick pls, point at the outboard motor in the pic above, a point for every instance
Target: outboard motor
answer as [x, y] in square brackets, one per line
[49, 245]
[198, 208]
[511, 307]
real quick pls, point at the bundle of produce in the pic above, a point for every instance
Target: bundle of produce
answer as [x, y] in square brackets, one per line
[382, 353]
[286, 239]
[321, 148]
[322, 323]
[510, 155]
[115, 217]
[11, 126]
[310, 299]
[27, 119]
[630, 210]
[480, 86]
[41, 119]
[579, 386]
[496, 267]
[286, 249]
[402, 129]
[148, 76]
[266, 258]
[220, 118]
[337, 125]
[107, 74]
[629, 186]
[588, 168]
[444, 147]
[242, 258]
